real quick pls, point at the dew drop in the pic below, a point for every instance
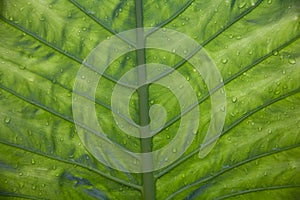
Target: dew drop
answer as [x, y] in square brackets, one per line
[234, 99]
[174, 150]
[292, 61]
[32, 161]
[69, 14]
[21, 185]
[224, 61]
[238, 37]
[7, 120]
[275, 53]
[242, 5]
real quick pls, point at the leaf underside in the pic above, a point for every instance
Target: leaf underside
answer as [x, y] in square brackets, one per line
[254, 44]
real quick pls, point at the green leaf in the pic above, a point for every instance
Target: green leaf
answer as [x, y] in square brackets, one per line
[254, 44]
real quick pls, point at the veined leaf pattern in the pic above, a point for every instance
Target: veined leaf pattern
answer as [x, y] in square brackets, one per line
[255, 45]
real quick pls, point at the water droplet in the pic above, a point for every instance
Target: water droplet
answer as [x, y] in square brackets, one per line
[250, 52]
[174, 150]
[275, 53]
[166, 159]
[32, 161]
[7, 120]
[234, 99]
[20, 174]
[180, 86]
[238, 37]
[292, 61]
[84, 28]
[224, 61]
[21, 185]
[83, 77]
[230, 36]
[269, 1]
[242, 5]
[50, 6]
[69, 14]
[222, 109]
[33, 187]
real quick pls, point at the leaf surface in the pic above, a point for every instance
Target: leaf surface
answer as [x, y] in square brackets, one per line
[254, 44]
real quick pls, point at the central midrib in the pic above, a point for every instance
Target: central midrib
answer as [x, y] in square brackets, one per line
[143, 94]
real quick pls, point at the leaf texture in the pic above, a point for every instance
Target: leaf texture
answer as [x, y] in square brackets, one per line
[254, 44]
